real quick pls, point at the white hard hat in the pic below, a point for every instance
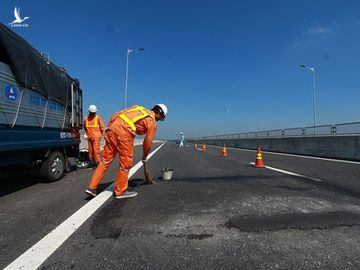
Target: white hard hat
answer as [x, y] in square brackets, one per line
[181, 133]
[92, 108]
[163, 108]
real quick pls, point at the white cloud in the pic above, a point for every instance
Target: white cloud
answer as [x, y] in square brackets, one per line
[311, 34]
[313, 30]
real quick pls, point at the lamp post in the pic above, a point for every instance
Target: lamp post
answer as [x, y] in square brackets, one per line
[126, 70]
[312, 69]
[227, 120]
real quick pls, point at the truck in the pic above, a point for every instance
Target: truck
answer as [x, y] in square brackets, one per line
[40, 109]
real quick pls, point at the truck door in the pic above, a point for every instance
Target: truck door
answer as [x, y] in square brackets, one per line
[76, 106]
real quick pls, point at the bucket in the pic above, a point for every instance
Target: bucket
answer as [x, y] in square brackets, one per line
[166, 174]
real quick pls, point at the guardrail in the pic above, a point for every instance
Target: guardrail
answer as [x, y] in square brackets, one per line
[342, 129]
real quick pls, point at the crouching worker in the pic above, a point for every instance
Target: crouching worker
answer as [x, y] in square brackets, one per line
[94, 128]
[120, 134]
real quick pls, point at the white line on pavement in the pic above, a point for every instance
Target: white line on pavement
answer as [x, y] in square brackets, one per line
[290, 155]
[290, 173]
[38, 253]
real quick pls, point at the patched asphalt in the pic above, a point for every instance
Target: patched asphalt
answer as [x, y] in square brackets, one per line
[221, 213]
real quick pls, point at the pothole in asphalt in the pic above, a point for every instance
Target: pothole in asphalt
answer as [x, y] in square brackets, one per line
[107, 232]
[302, 221]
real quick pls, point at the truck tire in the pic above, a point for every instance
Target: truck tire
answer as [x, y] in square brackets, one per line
[52, 169]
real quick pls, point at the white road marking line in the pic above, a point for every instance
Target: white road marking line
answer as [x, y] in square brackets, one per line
[290, 173]
[291, 155]
[38, 253]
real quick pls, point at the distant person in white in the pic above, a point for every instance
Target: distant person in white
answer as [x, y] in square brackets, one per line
[182, 141]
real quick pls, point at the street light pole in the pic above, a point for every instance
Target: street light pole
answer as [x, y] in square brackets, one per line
[312, 69]
[314, 98]
[227, 120]
[128, 51]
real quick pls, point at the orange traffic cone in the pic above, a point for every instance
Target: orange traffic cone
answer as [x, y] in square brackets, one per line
[224, 151]
[259, 161]
[195, 146]
[204, 147]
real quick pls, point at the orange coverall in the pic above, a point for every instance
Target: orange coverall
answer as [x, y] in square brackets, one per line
[94, 128]
[120, 139]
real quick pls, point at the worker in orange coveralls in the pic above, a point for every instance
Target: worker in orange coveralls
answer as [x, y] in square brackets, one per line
[94, 128]
[120, 134]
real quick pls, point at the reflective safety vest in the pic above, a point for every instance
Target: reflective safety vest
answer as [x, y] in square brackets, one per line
[94, 125]
[131, 121]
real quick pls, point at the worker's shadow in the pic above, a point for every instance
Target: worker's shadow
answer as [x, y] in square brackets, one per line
[136, 182]
[133, 184]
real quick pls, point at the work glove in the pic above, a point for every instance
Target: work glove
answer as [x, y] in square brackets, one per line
[85, 136]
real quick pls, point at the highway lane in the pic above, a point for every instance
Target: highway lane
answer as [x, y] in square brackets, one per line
[221, 213]
[343, 176]
[216, 213]
[30, 208]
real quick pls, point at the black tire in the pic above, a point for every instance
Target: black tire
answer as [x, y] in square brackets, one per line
[53, 168]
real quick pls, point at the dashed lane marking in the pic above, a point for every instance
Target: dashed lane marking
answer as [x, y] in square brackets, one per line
[290, 173]
[38, 253]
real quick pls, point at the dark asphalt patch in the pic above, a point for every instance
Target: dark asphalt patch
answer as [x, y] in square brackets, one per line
[300, 221]
[108, 232]
[292, 188]
[191, 236]
[105, 225]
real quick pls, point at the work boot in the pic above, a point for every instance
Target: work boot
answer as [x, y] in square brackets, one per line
[126, 194]
[91, 192]
[90, 164]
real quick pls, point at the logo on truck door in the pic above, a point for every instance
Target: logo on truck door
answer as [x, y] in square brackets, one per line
[11, 92]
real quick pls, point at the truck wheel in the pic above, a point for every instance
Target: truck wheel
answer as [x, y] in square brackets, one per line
[53, 167]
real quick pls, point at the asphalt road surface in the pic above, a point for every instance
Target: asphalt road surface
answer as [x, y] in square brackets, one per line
[216, 213]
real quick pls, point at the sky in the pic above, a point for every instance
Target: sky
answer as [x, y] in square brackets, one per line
[219, 66]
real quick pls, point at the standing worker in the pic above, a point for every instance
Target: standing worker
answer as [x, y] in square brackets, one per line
[182, 141]
[94, 128]
[120, 134]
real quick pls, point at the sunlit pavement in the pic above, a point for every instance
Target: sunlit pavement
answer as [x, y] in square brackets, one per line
[216, 213]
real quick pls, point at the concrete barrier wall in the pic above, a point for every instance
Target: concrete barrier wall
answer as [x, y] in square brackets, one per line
[340, 147]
